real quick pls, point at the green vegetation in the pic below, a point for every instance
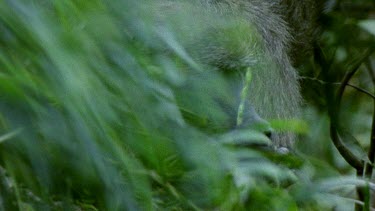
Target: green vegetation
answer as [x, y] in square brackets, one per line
[96, 114]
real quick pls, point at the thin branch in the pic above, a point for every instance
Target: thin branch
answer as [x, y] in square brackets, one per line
[362, 90]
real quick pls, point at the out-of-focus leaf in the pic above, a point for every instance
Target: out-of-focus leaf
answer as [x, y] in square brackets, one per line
[244, 137]
[292, 125]
[354, 145]
[9, 135]
[368, 25]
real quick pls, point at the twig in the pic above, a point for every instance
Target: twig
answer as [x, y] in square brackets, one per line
[364, 91]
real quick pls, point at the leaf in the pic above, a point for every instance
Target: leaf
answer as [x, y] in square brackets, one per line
[292, 125]
[354, 145]
[9, 135]
[368, 25]
[244, 138]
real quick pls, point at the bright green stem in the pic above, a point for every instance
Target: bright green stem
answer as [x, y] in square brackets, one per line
[244, 96]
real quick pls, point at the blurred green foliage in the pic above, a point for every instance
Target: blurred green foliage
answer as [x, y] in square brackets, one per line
[90, 117]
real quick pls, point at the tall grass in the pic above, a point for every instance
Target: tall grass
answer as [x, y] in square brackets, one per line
[102, 110]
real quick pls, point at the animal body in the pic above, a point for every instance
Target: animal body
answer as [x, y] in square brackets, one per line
[266, 38]
[130, 101]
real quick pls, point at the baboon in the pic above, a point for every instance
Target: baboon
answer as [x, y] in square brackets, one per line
[267, 38]
[124, 99]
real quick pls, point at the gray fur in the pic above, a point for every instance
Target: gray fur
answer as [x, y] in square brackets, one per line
[274, 88]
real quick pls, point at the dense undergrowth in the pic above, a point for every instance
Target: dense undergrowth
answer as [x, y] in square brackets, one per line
[90, 119]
